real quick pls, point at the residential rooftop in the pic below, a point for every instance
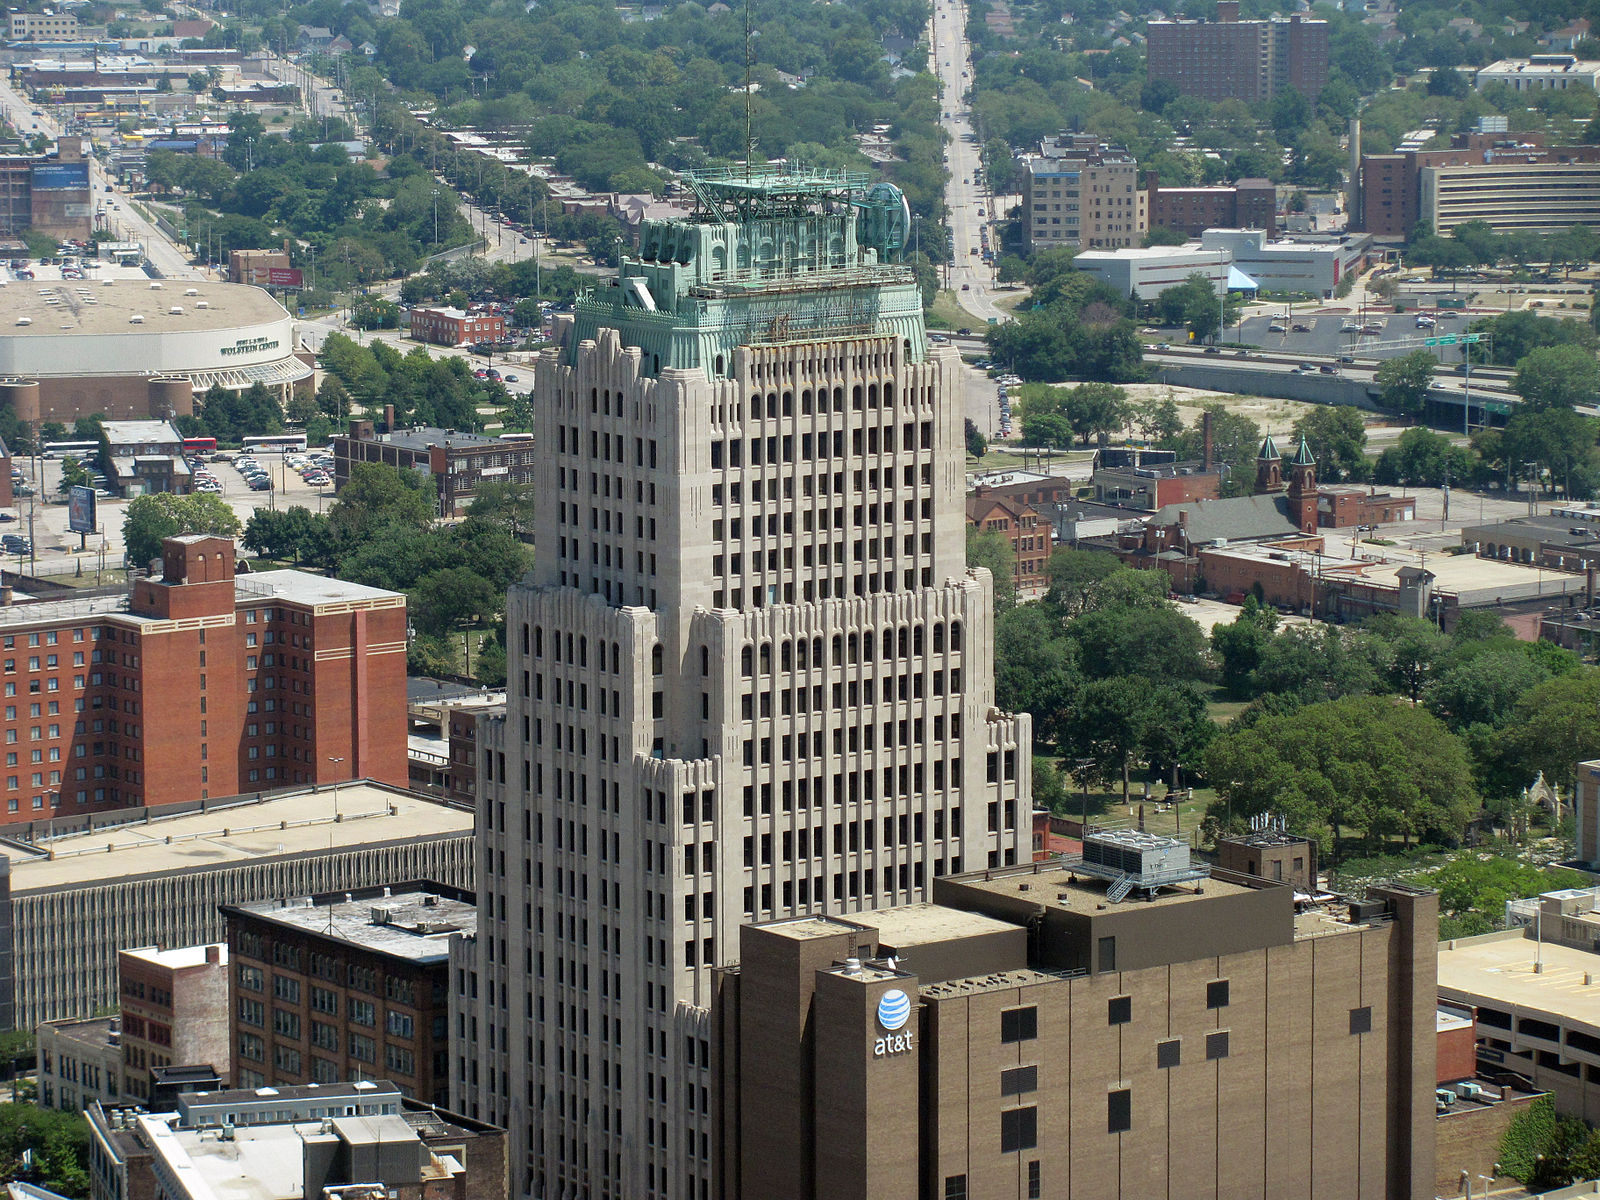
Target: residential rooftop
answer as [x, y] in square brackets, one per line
[424, 436]
[415, 925]
[235, 832]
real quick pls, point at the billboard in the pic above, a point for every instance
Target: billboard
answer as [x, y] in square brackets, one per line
[80, 510]
[61, 177]
[283, 277]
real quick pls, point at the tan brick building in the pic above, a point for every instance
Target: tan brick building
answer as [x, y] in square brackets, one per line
[1079, 192]
[1028, 1035]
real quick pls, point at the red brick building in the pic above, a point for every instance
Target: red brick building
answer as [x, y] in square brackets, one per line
[1343, 507]
[1020, 525]
[200, 684]
[1230, 59]
[452, 326]
[1247, 204]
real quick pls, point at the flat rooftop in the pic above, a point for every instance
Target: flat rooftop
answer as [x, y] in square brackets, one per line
[180, 957]
[923, 924]
[1381, 566]
[803, 929]
[1571, 531]
[999, 981]
[422, 438]
[122, 433]
[302, 587]
[286, 825]
[1497, 969]
[415, 926]
[1056, 887]
[74, 307]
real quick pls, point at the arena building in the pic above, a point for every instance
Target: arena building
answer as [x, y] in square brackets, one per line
[132, 349]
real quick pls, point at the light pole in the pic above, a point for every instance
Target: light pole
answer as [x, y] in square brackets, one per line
[436, 219]
[334, 761]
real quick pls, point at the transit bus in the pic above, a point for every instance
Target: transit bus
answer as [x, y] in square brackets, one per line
[200, 445]
[77, 450]
[276, 443]
[525, 438]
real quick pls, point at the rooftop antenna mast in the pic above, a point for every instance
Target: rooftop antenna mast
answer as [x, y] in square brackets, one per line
[749, 146]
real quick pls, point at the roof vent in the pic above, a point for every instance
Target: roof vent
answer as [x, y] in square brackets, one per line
[136, 319]
[175, 311]
[191, 291]
[106, 282]
[155, 287]
[202, 304]
[24, 320]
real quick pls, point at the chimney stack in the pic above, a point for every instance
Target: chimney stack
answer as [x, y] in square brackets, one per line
[214, 954]
[1207, 449]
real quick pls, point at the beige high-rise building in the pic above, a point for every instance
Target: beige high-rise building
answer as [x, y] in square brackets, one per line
[1079, 192]
[750, 675]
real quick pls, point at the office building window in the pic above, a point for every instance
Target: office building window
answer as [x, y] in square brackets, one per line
[1217, 994]
[1019, 1129]
[955, 1187]
[1119, 1111]
[1035, 1184]
[1216, 1045]
[1361, 1020]
[1168, 1053]
[1019, 1025]
[1018, 1080]
[1119, 1010]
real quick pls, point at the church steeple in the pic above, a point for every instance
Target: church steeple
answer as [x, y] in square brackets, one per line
[1269, 468]
[1303, 488]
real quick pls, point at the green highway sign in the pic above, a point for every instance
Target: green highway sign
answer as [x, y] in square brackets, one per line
[1465, 339]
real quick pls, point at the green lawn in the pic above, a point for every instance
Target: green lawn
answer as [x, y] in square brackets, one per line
[947, 313]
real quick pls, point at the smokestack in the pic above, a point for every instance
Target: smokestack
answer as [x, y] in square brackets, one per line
[388, 418]
[1352, 201]
[1206, 447]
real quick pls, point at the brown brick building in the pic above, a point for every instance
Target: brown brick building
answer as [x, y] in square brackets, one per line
[1247, 204]
[198, 684]
[348, 986]
[458, 461]
[1022, 527]
[1230, 59]
[1031, 1033]
[174, 1006]
[1532, 191]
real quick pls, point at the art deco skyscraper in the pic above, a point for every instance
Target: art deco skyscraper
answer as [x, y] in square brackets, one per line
[750, 675]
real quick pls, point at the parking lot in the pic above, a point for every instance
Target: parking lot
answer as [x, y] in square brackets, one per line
[56, 549]
[1330, 333]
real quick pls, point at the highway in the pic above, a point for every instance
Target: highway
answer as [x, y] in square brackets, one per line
[970, 205]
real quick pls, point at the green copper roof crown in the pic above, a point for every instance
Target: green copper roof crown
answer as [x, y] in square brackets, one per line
[767, 256]
[1269, 449]
[1302, 456]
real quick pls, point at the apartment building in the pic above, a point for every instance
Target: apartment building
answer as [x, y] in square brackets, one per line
[1027, 535]
[1120, 1023]
[1079, 192]
[455, 326]
[199, 683]
[1245, 204]
[174, 1006]
[42, 27]
[750, 674]
[1541, 73]
[349, 985]
[1230, 59]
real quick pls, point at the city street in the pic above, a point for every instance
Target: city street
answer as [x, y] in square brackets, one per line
[971, 207]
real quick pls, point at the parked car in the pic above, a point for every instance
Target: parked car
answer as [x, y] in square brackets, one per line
[1299, 327]
[1276, 327]
[261, 484]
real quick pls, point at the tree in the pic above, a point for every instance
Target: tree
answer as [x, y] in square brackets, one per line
[1121, 721]
[1404, 382]
[1338, 438]
[1557, 377]
[451, 598]
[507, 504]
[1158, 642]
[977, 444]
[377, 493]
[1240, 644]
[1473, 889]
[990, 550]
[56, 1143]
[73, 474]
[1193, 303]
[1363, 762]
[1554, 728]
[1076, 577]
[1036, 668]
[1411, 647]
[149, 519]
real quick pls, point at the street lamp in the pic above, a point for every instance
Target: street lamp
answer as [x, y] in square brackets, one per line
[333, 761]
[435, 218]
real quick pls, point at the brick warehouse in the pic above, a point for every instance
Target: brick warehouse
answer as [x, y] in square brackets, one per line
[200, 683]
